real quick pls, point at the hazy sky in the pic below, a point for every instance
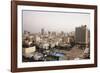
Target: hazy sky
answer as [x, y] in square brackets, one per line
[34, 21]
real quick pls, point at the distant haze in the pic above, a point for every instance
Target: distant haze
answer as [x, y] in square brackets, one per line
[34, 21]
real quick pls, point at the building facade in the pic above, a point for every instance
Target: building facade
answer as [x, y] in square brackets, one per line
[82, 35]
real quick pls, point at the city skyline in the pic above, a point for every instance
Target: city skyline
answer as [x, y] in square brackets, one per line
[34, 21]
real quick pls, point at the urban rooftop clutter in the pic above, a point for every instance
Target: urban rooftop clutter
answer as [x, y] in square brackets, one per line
[55, 46]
